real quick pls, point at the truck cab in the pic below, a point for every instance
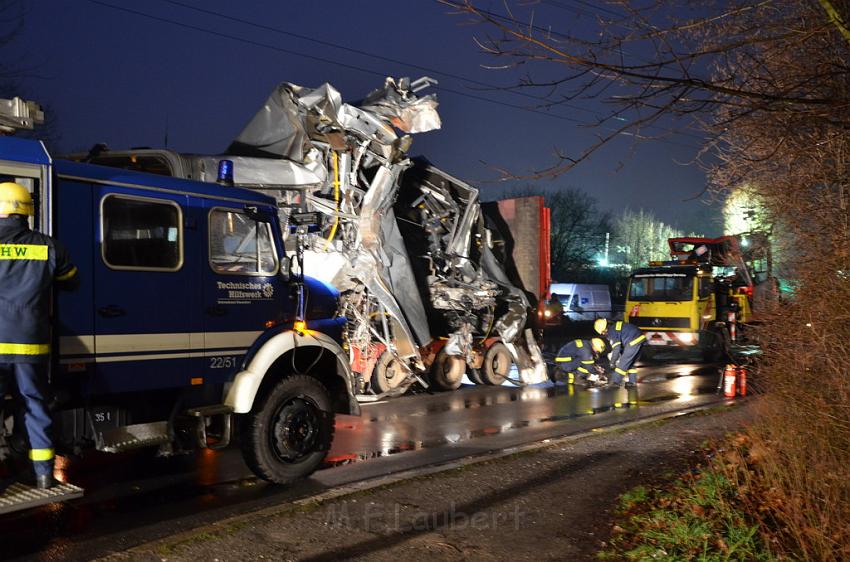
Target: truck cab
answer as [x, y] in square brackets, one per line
[673, 304]
[700, 298]
[186, 329]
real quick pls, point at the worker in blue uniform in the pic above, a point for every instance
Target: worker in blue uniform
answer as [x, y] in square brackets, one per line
[29, 263]
[577, 358]
[626, 342]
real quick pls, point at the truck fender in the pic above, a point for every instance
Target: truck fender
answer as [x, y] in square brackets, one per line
[246, 383]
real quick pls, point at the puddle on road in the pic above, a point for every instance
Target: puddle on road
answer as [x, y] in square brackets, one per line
[460, 403]
[579, 404]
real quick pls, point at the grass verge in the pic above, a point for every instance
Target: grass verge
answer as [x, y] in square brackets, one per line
[701, 516]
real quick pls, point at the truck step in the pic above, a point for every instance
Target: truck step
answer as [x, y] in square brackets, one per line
[19, 496]
[207, 413]
[136, 436]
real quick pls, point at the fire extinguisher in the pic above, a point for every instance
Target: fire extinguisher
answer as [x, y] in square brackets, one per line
[729, 381]
[742, 381]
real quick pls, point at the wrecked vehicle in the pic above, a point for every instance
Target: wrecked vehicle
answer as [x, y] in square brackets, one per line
[404, 242]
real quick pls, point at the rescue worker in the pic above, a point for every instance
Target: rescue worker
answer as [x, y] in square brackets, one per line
[29, 263]
[577, 358]
[626, 342]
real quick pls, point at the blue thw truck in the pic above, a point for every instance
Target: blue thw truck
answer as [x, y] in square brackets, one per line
[187, 327]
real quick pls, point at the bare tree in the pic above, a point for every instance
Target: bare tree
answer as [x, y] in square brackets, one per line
[662, 58]
[768, 84]
[11, 25]
[14, 73]
[639, 237]
[578, 229]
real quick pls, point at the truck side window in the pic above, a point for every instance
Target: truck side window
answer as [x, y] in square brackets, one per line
[705, 287]
[141, 233]
[32, 185]
[240, 245]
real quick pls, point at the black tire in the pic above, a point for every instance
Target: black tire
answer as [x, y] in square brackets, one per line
[475, 376]
[497, 364]
[387, 374]
[447, 371]
[287, 434]
[715, 348]
[712, 355]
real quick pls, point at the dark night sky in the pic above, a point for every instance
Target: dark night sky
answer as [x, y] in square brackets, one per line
[117, 77]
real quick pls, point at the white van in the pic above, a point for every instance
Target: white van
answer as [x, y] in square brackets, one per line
[583, 301]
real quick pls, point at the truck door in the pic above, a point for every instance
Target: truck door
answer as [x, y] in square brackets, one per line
[145, 283]
[242, 293]
[73, 310]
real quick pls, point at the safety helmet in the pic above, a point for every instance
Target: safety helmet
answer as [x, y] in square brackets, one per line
[597, 344]
[15, 199]
[600, 325]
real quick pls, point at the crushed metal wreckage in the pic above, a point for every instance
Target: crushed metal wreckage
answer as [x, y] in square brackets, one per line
[404, 242]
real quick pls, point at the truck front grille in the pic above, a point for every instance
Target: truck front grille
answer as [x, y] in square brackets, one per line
[657, 322]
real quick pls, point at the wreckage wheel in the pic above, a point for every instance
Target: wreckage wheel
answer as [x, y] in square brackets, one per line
[497, 364]
[387, 374]
[447, 371]
[288, 433]
[714, 345]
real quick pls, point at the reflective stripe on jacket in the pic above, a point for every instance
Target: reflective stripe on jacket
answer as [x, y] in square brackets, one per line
[575, 350]
[29, 262]
[625, 334]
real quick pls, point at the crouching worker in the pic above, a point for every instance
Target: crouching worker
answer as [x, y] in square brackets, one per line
[577, 358]
[626, 342]
[29, 263]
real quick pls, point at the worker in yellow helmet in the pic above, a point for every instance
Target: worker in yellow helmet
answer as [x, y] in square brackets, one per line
[626, 342]
[29, 263]
[577, 358]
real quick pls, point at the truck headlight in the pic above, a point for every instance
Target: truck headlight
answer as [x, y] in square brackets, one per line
[686, 338]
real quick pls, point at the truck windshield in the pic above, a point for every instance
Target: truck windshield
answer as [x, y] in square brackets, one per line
[661, 288]
[240, 245]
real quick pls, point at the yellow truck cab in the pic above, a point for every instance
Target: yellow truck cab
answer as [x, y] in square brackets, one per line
[673, 304]
[698, 299]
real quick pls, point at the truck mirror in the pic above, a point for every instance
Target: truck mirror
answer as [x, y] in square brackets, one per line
[252, 211]
[256, 213]
[285, 271]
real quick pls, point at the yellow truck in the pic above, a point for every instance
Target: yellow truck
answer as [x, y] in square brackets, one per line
[698, 300]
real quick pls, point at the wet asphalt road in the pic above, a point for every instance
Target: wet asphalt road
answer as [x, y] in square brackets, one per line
[134, 498]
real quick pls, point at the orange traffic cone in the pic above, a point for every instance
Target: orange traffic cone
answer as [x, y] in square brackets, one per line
[729, 381]
[742, 381]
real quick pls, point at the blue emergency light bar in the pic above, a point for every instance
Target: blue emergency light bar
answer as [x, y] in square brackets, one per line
[225, 172]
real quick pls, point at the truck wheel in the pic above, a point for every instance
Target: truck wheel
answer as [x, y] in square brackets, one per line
[287, 434]
[475, 376]
[387, 374]
[447, 371]
[716, 347]
[497, 364]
